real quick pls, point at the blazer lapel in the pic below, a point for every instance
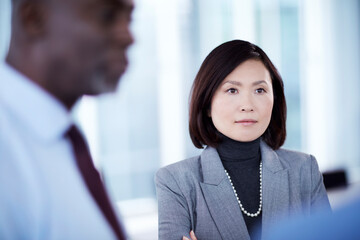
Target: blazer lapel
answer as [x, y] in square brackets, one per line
[220, 198]
[275, 189]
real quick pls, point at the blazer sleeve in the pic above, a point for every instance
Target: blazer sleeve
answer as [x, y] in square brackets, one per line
[174, 219]
[319, 198]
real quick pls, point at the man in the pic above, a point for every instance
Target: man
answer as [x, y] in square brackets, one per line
[342, 224]
[59, 51]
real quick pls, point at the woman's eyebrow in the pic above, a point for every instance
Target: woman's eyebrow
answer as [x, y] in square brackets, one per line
[233, 82]
[259, 82]
[240, 84]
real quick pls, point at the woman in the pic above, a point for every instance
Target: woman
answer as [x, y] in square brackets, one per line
[242, 181]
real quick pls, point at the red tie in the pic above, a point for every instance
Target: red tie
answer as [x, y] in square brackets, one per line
[93, 180]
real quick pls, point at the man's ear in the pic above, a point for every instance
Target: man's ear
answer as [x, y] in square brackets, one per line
[33, 18]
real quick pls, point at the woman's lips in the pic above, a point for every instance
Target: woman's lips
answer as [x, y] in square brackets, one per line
[246, 122]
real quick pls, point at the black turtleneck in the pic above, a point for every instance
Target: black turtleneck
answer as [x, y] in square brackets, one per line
[242, 161]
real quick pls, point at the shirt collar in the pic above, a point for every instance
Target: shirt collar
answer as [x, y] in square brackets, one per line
[37, 109]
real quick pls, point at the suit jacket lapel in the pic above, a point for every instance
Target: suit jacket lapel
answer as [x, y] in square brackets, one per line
[275, 189]
[220, 198]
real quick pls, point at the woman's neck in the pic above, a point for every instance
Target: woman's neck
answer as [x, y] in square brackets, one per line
[233, 151]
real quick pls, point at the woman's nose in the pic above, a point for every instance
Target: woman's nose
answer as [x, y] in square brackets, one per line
[246, 104]
[247, 109]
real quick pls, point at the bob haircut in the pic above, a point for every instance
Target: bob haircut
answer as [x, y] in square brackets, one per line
[216, 66]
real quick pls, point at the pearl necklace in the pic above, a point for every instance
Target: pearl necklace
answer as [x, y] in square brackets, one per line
[241, 206]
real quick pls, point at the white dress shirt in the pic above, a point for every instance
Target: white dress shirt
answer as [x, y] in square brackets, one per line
[42, 193]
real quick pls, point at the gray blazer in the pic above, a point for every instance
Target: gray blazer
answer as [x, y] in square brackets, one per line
[195, 194]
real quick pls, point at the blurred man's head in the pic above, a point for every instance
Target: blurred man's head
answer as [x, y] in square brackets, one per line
[71, 47]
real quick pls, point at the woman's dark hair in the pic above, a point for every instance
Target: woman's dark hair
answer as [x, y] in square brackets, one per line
[216, 66]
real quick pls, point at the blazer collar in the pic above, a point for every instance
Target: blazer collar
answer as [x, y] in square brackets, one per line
[222, 203]
[220, 198]
[269, 158]
[276, 190]
[213, 170]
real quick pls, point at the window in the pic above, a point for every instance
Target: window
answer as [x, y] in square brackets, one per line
[143, 126]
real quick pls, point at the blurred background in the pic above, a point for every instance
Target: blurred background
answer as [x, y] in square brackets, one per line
[315, 44]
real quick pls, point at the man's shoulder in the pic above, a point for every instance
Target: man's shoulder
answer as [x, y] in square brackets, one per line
[7, 124]
[342, 224]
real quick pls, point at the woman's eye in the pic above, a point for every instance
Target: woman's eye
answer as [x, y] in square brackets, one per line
[232, 90]
[260, 90]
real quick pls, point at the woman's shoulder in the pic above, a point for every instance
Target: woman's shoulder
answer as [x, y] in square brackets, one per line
[185, 164]
[181, 169]
[294, 154]
[293, 158]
